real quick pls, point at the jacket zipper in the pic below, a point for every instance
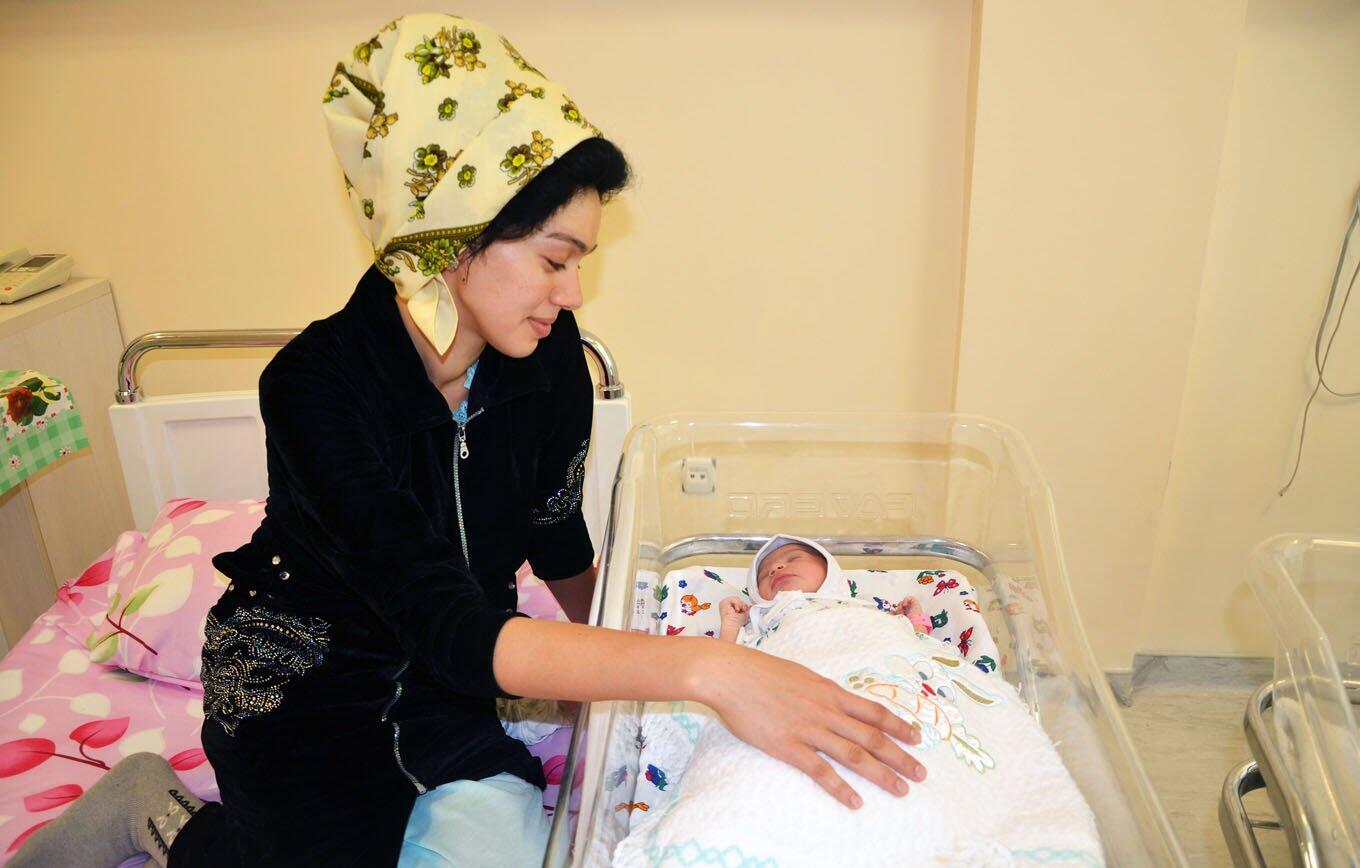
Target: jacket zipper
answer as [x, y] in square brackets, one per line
[458, 488]
[396, 730]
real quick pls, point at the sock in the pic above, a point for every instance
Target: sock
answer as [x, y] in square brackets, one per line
[138, 807]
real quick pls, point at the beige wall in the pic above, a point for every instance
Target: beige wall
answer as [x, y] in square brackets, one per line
[1098, 132]
[1156, 196]
[792, 241]
[1290, 173]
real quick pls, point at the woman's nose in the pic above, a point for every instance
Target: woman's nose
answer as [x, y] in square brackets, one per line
[567, 291]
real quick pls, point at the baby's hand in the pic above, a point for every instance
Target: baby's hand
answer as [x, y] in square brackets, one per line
[911, 609]
[734, 610]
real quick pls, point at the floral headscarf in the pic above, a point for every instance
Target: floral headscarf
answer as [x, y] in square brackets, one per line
[438, 122]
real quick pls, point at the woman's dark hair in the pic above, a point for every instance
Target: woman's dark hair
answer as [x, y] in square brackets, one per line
[594, 164]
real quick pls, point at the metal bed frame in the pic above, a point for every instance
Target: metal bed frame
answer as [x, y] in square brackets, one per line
[129, 392]
[1239, 829]
[559, 839]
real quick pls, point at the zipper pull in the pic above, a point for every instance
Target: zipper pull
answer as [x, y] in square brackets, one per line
[462, 441]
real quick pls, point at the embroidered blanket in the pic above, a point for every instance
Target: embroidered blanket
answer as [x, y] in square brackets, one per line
[996, 794]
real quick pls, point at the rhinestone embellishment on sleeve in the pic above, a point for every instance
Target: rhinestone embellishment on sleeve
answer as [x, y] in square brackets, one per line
[250, 657]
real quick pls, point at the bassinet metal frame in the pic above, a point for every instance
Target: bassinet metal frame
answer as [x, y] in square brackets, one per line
[1264, 772]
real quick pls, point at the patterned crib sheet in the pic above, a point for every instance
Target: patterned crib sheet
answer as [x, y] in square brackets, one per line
[685, 602]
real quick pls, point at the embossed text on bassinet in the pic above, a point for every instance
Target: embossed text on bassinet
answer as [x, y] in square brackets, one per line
[819, 504]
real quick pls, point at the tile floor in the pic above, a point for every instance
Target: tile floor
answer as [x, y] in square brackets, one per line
[1186, 721]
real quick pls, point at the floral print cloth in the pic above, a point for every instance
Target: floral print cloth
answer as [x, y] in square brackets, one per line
[685, 602]
[438, 122]
[142, 605]
[64, 721]
[40, 422]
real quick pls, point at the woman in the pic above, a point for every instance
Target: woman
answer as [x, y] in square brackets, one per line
[422, 443]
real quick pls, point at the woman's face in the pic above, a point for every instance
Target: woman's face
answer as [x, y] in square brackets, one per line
[511, 293]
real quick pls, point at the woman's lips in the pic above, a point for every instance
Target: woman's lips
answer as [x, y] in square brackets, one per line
[541, 327]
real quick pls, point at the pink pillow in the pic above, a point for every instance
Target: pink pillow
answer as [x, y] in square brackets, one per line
[142, 605]
[535, 598]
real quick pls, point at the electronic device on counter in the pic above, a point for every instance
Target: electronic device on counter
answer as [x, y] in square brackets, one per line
[22, 275]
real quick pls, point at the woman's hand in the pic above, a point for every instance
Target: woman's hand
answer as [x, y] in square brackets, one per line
[795, 715]
[788, 711]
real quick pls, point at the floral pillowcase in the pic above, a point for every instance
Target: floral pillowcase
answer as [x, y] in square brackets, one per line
[143, 603]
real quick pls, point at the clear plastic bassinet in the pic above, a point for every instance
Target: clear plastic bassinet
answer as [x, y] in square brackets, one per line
[1301, 726]
[882, 491]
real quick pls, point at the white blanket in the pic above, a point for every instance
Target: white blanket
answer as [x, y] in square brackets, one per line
[996, 793]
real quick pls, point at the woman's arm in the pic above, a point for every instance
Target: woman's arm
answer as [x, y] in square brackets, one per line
[559, 543]
[785, 710]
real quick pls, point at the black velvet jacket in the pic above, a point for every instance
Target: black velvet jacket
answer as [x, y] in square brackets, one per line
[365, 530]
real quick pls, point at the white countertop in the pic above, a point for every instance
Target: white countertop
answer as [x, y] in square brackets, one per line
[19, 315]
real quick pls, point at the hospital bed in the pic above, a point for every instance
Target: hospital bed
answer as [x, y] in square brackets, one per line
[1301, 725]
[66, 713]
[880, 491]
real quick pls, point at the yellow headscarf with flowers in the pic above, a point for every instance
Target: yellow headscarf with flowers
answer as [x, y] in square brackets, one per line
[438, 122]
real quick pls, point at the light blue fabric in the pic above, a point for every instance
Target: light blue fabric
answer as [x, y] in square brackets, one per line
[461, 414]
[497, 822]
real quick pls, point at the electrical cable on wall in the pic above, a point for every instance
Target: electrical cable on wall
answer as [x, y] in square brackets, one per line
[1321, 354]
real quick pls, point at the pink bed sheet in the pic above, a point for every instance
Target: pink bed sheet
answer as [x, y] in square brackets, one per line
[64, 721]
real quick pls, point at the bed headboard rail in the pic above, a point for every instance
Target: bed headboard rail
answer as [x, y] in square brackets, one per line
[211, 445]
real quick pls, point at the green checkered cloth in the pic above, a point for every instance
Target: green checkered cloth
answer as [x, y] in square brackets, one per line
[40, 425]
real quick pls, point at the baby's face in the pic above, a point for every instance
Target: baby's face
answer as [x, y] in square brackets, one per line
[791, 567]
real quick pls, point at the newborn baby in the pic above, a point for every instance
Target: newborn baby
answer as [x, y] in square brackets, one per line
[996, 792]
[791, 564]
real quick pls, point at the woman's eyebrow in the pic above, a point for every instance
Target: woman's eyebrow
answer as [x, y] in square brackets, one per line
[572, 240]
